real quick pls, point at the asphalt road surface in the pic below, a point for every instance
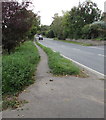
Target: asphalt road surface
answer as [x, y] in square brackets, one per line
[90, 56]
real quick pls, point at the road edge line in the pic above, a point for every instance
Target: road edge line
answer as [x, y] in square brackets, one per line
[81, 65]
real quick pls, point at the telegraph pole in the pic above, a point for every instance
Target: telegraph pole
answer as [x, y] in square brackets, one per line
[105, 11]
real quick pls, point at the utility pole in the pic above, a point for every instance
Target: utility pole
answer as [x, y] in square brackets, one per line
[104, 11]
[105, 6]
[79, 2]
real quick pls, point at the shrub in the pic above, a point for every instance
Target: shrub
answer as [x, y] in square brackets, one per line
[86, 31]
[50, 34]
[18, 68]
[94, 30]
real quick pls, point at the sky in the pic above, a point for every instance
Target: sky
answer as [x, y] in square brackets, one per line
[47, 8]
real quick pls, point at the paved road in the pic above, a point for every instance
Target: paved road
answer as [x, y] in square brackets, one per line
[90, 56]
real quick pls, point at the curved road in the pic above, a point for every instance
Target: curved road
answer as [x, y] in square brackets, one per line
[90, 56]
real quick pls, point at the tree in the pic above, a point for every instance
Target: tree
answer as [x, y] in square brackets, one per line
[50, 33]
[44, 29]
[57, 26]
[95, 30]
[71, 23]
[85, 13]
[89, 9]
[65, 22]
[17, 20]
[35, 25]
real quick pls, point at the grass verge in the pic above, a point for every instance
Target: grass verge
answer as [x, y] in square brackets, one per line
[74, 42]
[17, 72]
[60, 65]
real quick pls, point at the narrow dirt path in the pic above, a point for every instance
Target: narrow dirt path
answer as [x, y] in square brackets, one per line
[60, 97]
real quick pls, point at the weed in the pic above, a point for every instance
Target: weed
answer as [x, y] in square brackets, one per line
[18, 68]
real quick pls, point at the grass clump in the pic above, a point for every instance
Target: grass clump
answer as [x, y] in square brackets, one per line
[75, 42]
[18, 68]
[60, 65]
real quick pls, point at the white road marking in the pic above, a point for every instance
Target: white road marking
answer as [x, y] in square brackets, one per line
[76, 49]
[88, 68]
[97, 48]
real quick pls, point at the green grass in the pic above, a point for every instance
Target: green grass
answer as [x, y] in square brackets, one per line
[60, 65]
[17, 71]
[12, 102]
[74, 42]
[100, 38]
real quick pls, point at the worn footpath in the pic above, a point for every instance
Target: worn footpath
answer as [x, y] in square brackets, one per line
[60, 97]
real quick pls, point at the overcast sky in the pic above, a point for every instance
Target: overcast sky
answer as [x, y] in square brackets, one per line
[48, 8]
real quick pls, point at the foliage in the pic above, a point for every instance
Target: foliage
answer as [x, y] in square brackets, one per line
[94, 30]
[44, 29]
[50, 34]
[78, 17]
[12, 102]
[86, 31]
[17, 21]
[57, 26]
[18, 68]
[102, 24]
[35, 26]
[101, 30]
[89, 9]
[71, 23]
[59, 65]
[75, 42]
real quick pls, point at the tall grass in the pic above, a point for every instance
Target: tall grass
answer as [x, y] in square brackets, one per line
[60, 65]
[18, 68]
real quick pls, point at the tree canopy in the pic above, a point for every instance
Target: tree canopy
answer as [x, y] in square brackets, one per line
[71, 23]
[17, 21]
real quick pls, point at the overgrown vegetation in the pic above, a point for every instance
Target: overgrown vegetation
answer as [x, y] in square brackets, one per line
[96, 30]
[60, 65]
[17, 70]
[18, 23]
[81, 22]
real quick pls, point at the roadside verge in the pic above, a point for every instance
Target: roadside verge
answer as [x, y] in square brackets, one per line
[87, 70]
[60, 65]
[18, 71]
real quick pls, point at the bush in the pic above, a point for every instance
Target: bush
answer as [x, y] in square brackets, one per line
[18, 68]
[50, 34]
[86, 31]
[94, 30]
